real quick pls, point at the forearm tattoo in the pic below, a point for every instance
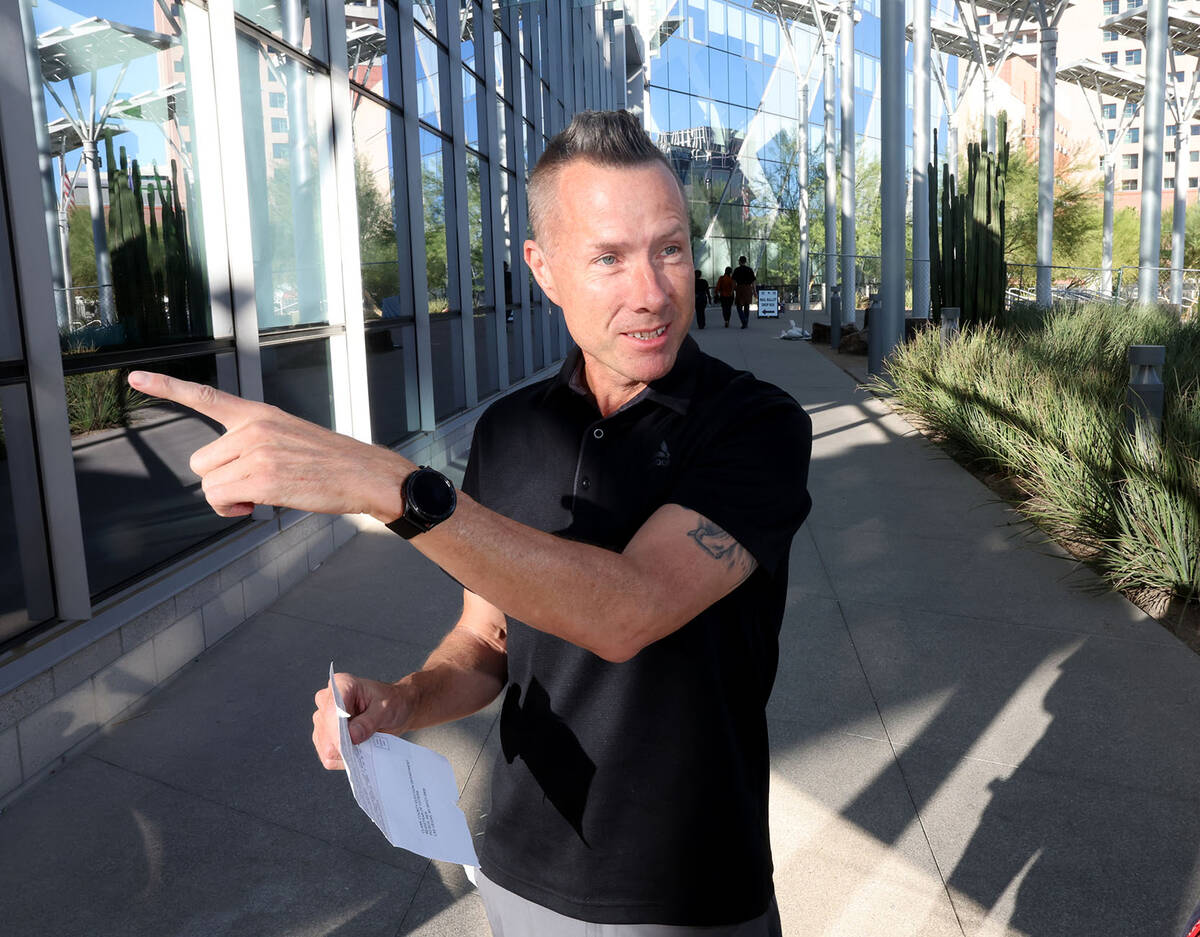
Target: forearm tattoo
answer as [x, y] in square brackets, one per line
[721, 546]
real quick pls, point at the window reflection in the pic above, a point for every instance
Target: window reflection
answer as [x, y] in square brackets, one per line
[434, 202]
[285, 162]
[515, 326]
[366, 44]
[445, 326]
[722, 106]
[25, 597]
[296, 379]
[374, 186]
[119, 130]
[299, 23]
[429, 106]
[425, 13]
[139, 502]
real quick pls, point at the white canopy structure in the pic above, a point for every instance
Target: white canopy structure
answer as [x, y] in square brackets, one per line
[827, 20]
[1016, 14]
[65, 53]
[984, 53]
[1097, 81]
[824, 19]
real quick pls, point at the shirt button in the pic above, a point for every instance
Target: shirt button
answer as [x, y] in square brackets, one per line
[585, 483]
[598, 433]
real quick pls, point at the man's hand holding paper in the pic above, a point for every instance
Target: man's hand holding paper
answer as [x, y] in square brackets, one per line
[407, 790]
[373, 707]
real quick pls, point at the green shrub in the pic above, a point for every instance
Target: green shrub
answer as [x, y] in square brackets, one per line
[1039, 398]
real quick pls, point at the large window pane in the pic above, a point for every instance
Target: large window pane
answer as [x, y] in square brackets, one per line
[449, 383]
[374, 185]
[483, 300]
[392, 379]
[296, 379]
[24, 572]
[433, 194]
[284, 171]
[300, 23]
[477, 222]
[429, 97]
[366, 44]
[513, 325]
[467, 22]
[120, 133]
[445, 327]
[140, 503]
[474, 119]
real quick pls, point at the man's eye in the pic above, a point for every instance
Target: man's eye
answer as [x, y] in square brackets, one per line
[671, 251]
[607, 260]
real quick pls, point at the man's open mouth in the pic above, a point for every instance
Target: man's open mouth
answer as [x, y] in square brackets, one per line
[647, 336]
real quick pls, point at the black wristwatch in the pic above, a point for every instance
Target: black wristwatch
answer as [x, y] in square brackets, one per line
[429, 498]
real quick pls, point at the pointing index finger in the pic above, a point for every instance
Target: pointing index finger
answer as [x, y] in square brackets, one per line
[226, 409]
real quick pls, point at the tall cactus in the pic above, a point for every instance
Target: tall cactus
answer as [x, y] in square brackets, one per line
[971, 270]
[155, 285]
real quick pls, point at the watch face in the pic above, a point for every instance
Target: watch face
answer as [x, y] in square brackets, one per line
[431, 494]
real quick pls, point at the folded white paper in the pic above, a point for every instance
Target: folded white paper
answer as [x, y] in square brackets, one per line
[409, 791]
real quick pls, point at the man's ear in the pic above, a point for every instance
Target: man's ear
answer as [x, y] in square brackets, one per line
[538, 262]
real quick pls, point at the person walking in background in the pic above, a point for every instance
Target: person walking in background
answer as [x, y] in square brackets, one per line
[745, 291]
[703, 298]
[725, 293]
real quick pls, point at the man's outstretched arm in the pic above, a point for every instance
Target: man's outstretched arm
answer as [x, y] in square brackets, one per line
[613, 604]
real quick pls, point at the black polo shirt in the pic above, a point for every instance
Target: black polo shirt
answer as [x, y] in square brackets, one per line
[637, 792]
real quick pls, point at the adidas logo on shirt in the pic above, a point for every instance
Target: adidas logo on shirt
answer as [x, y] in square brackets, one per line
[662, 458]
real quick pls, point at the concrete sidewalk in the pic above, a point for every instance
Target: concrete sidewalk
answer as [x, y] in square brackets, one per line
[965, 740]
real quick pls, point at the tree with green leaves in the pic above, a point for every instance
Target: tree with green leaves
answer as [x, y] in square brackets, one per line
[1078, 216]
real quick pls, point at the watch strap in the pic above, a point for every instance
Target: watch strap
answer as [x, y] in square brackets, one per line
[404, 527]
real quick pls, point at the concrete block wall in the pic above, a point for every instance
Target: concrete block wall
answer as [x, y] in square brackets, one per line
[56, 712]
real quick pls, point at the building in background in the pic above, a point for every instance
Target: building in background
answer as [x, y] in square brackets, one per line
[721, 99]
[1081, 35]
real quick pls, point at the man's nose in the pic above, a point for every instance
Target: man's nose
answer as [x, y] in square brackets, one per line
[650, 287]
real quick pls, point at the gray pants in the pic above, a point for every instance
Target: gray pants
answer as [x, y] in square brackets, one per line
[513, 916]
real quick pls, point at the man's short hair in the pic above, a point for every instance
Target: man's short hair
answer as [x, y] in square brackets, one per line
[607, 138]
[741, 260]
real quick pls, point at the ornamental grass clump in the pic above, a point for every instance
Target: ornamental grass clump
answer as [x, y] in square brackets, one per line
[1038, 398]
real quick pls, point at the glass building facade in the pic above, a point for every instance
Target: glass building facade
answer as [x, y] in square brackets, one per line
[315, 203]
[723, 102]
[319, 204]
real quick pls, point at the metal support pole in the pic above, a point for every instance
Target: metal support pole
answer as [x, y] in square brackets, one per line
[1178, 220]
[835, 325]
[920, 175]
[104, 277]
[1153, 107]
[952, 143]
[802, 202]
[886, 334]
[1045, 210]
[989, 108]
[1110, 189]
[45, 161]
[849, 299]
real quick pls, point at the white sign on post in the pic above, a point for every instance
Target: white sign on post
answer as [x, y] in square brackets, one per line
[768, 304]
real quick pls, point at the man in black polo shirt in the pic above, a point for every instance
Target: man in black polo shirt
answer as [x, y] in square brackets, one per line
[622, 537]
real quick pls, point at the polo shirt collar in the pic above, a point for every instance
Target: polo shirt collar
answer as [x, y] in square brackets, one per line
[674, 390]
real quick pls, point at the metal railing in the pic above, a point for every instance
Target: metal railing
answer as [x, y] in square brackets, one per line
[1093, 284]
